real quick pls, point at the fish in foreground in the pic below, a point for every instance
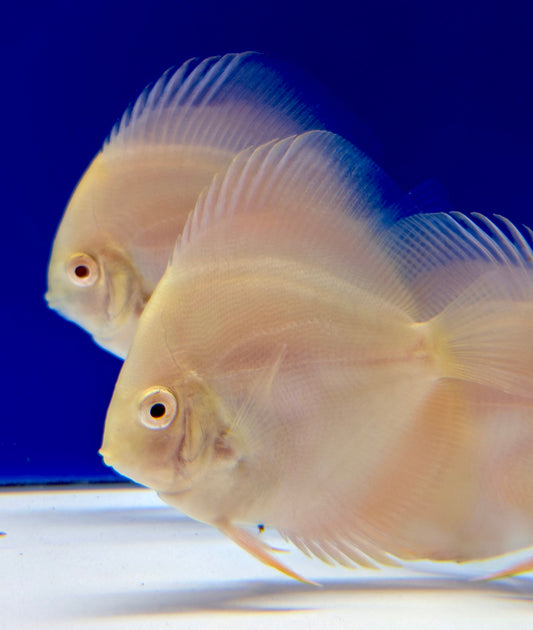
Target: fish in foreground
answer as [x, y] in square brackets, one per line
[364, 388]
[122, 221]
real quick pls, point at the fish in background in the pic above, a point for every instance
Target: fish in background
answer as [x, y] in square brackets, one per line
[365, 387]
[124, 216]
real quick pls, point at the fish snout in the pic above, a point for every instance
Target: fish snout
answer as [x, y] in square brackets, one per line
[56, 304]
[105, 456]
[48, 298]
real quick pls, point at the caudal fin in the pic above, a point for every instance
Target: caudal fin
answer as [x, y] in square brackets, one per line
[486, 335]
[472, 282]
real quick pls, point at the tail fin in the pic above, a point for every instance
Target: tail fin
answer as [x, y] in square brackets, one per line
[486, 335]
[472, 283]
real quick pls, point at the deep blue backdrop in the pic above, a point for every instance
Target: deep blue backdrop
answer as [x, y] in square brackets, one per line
[445, 87]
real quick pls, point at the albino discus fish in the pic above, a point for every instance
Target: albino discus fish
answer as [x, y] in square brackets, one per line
[124, 216]
[367, 390]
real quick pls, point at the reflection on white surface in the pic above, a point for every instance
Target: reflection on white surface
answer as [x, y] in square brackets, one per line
[117, 558]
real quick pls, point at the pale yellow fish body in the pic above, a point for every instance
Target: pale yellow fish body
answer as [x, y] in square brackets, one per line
[125, 214]
[122, 221]
[281, 373]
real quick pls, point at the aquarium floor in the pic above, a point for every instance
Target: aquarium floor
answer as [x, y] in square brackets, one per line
[115, 557]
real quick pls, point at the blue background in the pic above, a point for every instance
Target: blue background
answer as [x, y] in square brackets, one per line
[445, 87]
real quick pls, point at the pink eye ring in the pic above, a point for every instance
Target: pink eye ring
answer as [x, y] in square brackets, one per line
[82, 270]
[158, 408]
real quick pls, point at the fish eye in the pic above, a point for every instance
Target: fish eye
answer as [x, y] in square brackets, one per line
[158, 408]
[82, 270]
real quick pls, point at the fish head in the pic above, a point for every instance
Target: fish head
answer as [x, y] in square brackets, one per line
[164, 428]
[91, 280]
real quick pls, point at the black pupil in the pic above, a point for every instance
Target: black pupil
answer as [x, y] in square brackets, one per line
[157, 410]
[81, 271]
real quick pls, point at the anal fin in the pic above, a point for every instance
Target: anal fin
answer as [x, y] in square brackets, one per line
[515, 569]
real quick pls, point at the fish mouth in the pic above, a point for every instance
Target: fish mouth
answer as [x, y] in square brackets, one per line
[58, 306]
[108, 461]
[152, 480]
[51, 302]
[115, 464]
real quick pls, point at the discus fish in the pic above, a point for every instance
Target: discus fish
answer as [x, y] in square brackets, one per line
[124, 216]
[298, 367]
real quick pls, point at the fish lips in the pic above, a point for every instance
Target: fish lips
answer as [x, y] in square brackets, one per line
[162, 481]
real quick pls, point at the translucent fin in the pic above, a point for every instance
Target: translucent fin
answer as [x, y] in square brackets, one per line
[515, 569]
[227, 103]
[313, 197]
[486, 334]
[315, 172]
[474, 281]
[341, 551]
[440, 255]
[259, 550]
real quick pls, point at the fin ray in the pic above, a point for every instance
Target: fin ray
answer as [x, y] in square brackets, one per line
[524, 566]
[486, 334]
[307, 198]
[439, 255]
[227, 102]
[259, 550]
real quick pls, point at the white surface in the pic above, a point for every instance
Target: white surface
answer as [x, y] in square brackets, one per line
[119, 558]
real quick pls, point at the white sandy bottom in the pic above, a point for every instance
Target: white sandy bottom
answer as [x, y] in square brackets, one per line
[119, 558]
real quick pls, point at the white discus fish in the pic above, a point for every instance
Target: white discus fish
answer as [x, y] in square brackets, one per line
[367, 390]
[124, 216]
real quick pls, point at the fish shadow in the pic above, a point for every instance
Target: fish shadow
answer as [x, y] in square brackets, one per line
[284, 597]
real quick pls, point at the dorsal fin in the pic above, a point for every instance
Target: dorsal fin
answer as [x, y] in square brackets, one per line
[439, 255]
[313, 199]
[227, 102]
[315, 175]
